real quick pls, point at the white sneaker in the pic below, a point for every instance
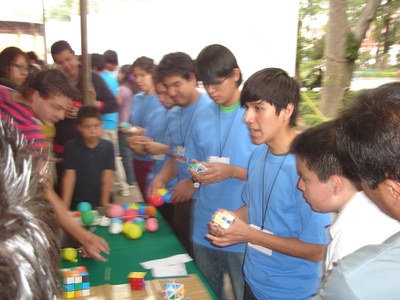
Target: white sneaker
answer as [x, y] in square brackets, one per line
[125, 193]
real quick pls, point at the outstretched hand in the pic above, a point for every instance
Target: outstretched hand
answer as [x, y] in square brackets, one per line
[93, 246]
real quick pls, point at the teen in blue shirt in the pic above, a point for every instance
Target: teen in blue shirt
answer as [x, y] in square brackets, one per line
[221, 142]
[286, 240]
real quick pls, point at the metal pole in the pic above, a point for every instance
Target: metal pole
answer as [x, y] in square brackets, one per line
[44, 33]
[86, 78]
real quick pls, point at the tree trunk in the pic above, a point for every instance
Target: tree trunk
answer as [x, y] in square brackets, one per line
[339, 69]
[335, 55]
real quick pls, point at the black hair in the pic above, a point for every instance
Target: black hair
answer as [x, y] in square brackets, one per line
[111, 57]
[175, 64]
[59, 47]
[146, 64]
[7, 58]
[97, 61]
[274, 86]
[128, 79]
[316, 147]
[368, 137]
[88, 111]
[213, 62]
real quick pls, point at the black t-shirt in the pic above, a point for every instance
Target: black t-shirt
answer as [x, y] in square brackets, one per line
[89, 163]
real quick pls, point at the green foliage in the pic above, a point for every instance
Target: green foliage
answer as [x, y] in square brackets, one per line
[63, 11]
[307, 113]
[377, 73]
[352, 47]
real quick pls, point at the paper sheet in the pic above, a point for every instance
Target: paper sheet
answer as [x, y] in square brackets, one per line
[172, 260]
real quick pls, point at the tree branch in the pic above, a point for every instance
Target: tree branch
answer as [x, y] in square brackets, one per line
[367, 16]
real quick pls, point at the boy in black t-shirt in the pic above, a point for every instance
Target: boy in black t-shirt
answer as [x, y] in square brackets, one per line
[89, 163]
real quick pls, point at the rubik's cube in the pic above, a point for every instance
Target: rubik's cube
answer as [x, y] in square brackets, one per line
[222, 218]
[173, 291]
[75, 282]
[136, 280]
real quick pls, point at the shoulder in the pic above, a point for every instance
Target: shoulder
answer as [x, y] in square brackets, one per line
[106, 144]
[383, 259]
[205, 99]
[209, 109]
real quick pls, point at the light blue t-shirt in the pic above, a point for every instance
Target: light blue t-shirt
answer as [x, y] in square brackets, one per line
[180, 131]
[160, 134]
[142, 110]
[275, 203]
[370, 273]
[221, 134]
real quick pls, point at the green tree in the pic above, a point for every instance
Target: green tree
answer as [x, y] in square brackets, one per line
[341, 51]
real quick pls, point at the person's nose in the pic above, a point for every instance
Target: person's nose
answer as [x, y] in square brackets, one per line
[300, 185]
[248, 117]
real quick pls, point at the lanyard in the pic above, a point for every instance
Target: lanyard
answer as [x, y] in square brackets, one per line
[222, 145]
[183, 138]
[266, 198]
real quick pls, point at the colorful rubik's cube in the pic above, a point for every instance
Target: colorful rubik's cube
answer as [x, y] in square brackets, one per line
[173, 290]
[75, 282]
[136, 280]
[222, 218]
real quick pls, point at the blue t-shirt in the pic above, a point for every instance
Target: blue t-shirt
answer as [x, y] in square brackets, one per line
[111, 82]
[221, 134]
[160, 134]
[141, 115]
[110, 120]
[275, 203]
[180, 131]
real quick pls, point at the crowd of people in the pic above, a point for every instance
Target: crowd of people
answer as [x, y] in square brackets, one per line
[316, 213]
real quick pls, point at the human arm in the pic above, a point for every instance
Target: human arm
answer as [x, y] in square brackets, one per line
[107, 181]
[92, 243]
[137, 143]
[103, 94]
[183, 191]
[217, 171]
[166, 174]
[67, 186]
[155, 148]
[241, 232]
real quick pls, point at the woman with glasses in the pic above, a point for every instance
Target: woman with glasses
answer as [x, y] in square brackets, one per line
[14, 67]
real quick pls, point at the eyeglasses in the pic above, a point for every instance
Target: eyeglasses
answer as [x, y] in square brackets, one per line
[22, 68]
[214, 84]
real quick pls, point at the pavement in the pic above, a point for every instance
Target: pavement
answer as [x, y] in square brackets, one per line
[135, 196]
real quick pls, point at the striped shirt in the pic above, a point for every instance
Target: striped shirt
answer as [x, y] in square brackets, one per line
[23, 117]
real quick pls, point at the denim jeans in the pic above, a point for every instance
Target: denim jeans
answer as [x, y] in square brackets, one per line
[214, 263]
[126, 154]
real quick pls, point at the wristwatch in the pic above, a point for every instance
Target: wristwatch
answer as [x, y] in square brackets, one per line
[196, 184]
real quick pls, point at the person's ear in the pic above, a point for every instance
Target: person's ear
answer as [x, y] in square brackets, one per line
[287, 112]
[337, 184]
[35, 96]
[394, 188]
[192, 77]
[236, 74]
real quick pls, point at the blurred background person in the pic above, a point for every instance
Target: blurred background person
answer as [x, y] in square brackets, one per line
[14, 67]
